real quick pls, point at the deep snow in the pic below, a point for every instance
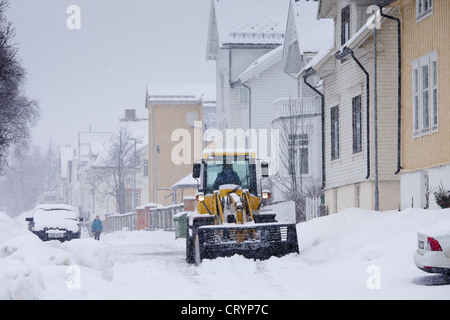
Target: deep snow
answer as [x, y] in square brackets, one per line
[356, 254]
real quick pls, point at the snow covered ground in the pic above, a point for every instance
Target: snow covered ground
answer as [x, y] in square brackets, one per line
[355, 254]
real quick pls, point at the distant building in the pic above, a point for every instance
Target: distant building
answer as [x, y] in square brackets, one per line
[103, 171]
[175, 133]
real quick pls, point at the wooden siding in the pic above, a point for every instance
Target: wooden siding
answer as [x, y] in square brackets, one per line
[418, 39]
[346, 183]
[348, 81]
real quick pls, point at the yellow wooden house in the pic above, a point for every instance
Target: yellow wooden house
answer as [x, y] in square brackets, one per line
[425, 115]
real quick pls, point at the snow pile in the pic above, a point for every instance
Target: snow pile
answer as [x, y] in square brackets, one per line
[356, 254]
[31, 269]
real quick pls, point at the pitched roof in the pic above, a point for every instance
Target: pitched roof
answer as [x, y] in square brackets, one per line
[312, 33]
[246, 22]
[261, 64]
[304, 33]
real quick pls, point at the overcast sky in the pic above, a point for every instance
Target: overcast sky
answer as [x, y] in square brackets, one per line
[85, 78]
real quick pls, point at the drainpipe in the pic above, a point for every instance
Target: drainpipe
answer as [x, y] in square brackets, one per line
[399, 124]
[340, 55]
[309, 73]
[249, 105]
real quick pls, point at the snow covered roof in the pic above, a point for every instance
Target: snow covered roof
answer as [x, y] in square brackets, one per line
[186, 182]
[262, 64]
[312, 33]
[187, 93]
[304, 32]
[246, 22]
[319, 58]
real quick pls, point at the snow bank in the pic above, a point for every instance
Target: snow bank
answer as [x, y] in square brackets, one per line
[339, 255]
[31, 269]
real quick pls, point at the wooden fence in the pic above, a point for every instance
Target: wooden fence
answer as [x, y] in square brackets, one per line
[145, 218]
[314, 208]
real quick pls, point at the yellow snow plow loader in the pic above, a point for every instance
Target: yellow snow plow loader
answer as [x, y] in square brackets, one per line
[229, 218]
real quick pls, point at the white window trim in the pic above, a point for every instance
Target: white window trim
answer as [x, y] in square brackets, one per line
[418, 65]
[415, 95]
[434, 86]
[425, 14]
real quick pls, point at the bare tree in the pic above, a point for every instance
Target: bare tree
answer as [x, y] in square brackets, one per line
[295, 141]
[27, 177]
[113, 174]
[17, 112]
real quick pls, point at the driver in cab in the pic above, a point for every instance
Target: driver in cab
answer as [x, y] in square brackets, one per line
[227, 176]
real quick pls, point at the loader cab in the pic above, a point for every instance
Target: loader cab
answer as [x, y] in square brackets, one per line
[243, 165]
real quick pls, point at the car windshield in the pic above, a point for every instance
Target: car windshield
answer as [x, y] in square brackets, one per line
[241, 165]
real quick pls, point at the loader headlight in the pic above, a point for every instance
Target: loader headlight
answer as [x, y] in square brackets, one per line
[200, 197]
[265, 194]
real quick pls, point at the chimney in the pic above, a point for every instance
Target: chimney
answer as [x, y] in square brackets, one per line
[130, 114]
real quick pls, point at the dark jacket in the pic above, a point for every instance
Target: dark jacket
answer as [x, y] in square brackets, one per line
[227, 176]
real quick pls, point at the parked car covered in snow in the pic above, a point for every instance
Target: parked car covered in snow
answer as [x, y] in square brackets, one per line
[433, 253]
[55, 222]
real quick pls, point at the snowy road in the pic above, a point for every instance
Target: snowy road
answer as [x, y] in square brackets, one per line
[356, 254]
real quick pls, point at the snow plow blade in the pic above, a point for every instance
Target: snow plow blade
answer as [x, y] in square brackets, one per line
[256, 241]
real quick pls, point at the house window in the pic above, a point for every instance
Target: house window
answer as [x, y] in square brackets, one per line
[424, 8]
[298, 153]
[345, 24]
[425, 94]
[356, 124]
[334, 132]
[243, 93]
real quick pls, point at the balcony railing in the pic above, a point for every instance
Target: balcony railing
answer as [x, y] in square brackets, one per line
[298, 106]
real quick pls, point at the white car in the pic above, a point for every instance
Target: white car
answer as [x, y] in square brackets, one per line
[433, 253]
[55, 222]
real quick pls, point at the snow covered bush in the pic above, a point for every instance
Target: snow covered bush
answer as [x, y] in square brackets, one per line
[442, 197]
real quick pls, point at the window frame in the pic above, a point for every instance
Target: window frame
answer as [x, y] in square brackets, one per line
[345, 24]
[243, 95]
[424, 8]
[357, 123]
[425, 94]
[298, 152]
[434, 92]
[334, 134]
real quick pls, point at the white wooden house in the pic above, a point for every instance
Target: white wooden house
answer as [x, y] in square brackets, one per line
[299, 116]
[354, 176]
[244, 40]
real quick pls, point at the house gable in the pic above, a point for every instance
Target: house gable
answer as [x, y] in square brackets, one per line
[245, 23]
[304, 34]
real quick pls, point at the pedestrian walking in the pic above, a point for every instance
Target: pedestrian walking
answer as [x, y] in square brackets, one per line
[97, 228]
